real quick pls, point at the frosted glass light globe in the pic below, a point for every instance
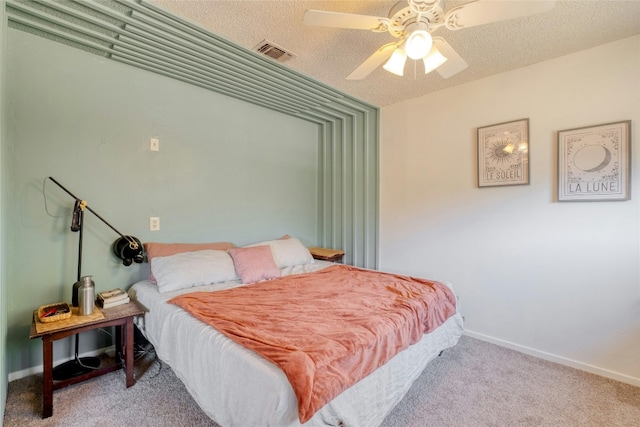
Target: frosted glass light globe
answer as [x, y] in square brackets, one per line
[418, 44]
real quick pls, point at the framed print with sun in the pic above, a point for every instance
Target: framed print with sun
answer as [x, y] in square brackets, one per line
[503, 154]
[594, 163]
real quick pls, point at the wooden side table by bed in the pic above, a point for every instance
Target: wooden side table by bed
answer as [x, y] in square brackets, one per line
[326, 254]
[120, 316]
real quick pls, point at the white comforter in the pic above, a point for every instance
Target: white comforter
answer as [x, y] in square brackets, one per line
[237, 387]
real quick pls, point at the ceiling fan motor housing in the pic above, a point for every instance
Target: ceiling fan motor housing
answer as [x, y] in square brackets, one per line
[401, 15]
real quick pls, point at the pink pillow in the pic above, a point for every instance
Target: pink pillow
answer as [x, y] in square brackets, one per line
[165, 249]
[254, 263]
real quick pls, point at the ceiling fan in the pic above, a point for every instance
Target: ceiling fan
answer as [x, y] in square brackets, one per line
[412, 22]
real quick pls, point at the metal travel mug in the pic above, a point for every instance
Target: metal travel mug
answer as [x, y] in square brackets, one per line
[86, 295]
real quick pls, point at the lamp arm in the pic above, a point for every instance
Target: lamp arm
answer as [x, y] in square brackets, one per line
[84, 205]
[128, 248]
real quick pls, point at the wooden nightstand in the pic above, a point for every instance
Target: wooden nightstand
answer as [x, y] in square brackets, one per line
[326, 254]
[120, 316]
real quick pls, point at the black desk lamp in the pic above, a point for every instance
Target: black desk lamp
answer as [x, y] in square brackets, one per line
[128, 248]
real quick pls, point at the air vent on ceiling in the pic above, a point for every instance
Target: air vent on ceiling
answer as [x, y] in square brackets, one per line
[273, 51]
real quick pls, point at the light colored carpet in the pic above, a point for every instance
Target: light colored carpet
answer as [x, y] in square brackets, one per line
[472, 384]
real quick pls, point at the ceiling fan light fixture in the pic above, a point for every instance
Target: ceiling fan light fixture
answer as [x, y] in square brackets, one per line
[418, 44]
[433, 60]
[395, 64]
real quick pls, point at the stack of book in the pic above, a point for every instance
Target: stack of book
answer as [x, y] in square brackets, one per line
[112, 298]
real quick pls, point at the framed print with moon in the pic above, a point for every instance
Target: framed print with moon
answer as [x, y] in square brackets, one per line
[503, 154]
[594, 163]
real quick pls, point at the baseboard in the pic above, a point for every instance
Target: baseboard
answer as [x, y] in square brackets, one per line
[39, 369]
[557, 359]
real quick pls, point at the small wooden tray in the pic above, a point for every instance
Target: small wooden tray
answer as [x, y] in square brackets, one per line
[75, 320]
[43, 309]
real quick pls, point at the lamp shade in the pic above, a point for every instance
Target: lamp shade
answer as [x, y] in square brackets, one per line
[418, 44]
[395, 64]
[129, 249]
[433, 60]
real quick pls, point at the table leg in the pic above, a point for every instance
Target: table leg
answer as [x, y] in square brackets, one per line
[47, 382]
[129, 352]
[119, 344]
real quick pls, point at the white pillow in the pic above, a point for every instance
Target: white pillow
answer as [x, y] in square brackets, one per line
[288, 252]
[188, 269]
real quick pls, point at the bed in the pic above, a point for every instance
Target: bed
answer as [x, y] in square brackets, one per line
[234, 385]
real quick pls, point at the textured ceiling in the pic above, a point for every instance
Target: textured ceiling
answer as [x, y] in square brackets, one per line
[330, 54]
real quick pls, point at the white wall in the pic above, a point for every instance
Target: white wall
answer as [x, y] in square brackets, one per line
[557, 280]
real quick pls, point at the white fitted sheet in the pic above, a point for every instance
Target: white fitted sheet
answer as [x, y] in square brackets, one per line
[237, 387]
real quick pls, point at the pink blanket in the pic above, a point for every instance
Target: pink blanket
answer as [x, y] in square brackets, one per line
[325, 330]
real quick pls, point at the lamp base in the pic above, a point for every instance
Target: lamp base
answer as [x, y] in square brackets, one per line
[75, 367]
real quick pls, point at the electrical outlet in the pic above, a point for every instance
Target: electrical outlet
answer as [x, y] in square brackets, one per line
[154, 144]
[154, 223]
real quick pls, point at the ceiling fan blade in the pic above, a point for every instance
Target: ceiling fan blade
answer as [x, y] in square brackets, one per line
[454, 63]
[342, 20]
[482, 12]
[373, 62]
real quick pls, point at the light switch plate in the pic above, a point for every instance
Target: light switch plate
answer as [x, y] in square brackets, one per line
[154, 223]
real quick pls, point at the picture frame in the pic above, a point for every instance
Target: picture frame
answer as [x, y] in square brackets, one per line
[594, 162]
[503, 154]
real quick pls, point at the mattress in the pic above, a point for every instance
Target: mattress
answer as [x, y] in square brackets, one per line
[236, 387]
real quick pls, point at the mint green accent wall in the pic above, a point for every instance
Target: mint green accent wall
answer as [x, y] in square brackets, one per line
[3, 251]
[143, 35]
[349, 187]
[250, 149]
[226, 170]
